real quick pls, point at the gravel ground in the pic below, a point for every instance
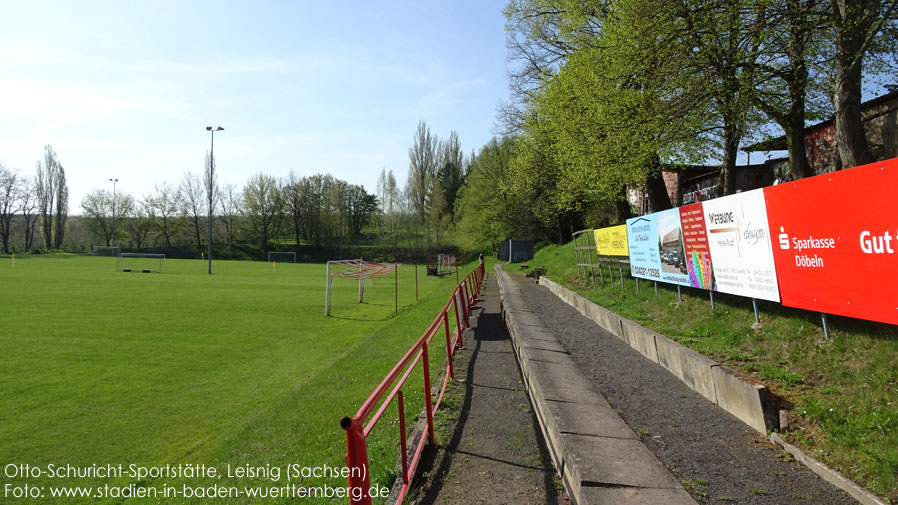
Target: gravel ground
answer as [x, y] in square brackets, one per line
[718, 458]
[490, 449]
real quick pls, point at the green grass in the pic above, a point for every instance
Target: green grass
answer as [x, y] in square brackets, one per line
[845, 389]
[240, 367]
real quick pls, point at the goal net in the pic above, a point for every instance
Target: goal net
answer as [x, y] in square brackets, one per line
[446, 264]
[357, 270]
[105, 250]
[141, 262]
[281, 257]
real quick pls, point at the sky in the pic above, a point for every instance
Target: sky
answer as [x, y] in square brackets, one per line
[125, 90]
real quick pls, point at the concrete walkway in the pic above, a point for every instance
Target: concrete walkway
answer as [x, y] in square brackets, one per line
[490, 449]
[600, 458]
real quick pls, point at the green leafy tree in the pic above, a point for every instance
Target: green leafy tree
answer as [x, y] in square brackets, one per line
[264, 207]
[861, 29]
[487, 210]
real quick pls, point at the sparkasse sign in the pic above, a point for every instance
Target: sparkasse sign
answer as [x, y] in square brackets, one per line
[836, 250]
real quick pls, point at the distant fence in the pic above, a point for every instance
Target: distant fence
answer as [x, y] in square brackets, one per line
[458, 307]
[592, 253]
[516, 251]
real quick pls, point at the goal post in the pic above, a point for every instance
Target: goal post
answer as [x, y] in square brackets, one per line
[281, 257]
[357, 269]
[141, 262]
[446, 264]
[111, 251]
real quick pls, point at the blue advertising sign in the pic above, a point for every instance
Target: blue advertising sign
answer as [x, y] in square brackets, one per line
[656, 247]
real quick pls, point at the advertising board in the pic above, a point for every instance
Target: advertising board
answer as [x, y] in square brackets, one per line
[738, 239]
[612, 241]
[834, 248]
[695, 242]
[656, 249]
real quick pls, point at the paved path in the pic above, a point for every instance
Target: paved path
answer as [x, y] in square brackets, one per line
[716, 457]
[490, 447]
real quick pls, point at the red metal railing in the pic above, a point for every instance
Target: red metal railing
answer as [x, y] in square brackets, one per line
[464, 295]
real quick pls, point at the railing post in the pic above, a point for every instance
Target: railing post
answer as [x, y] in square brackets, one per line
[449, 350]
[455, 297]
[402, 442]
[428, 405]
[467, 306]
[357, 457]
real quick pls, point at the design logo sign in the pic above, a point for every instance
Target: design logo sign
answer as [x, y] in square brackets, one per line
[739, 242]
[836, 252]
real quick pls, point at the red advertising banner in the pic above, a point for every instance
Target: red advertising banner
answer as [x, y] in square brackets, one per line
[834, 241]
[695, 243]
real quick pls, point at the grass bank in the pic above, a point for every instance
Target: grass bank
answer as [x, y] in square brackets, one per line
[844, 390]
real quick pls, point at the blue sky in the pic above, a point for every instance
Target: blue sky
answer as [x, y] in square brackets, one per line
[125, 89]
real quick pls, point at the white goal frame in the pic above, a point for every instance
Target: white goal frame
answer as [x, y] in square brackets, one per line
[121, 257]
[446, 263]
[291, 254]
[111, 251]
[358, 268]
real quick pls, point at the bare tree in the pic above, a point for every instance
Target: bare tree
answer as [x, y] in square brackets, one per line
[139, 224]
[10, 189]
[191, 191]
[293, 205]
[62, 206]
[29, 205]
[231, 208]
[165, 212]
[97, 207]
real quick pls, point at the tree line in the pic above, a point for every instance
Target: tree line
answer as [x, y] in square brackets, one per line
[607, 93]
[266, 212]
[42, 202]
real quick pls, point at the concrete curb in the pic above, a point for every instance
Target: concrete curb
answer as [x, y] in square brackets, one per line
[744, 397]
[741, 396]
[826, 473]
[599, 457]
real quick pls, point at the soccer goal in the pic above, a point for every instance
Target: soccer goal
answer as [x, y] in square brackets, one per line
[446, 264]
[357, 270]
[105, 250]
[281, 257]
[141, 262]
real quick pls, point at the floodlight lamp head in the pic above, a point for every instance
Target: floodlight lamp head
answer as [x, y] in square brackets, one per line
[208, 128]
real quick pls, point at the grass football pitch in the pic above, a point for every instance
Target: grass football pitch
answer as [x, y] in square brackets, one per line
[240, 368]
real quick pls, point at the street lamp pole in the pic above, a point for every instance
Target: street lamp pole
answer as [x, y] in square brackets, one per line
[211, 187]
[113, 210]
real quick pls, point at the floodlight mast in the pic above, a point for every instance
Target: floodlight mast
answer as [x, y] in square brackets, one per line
[211, 187]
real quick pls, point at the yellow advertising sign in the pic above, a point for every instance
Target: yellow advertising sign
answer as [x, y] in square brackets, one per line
[612, 241]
